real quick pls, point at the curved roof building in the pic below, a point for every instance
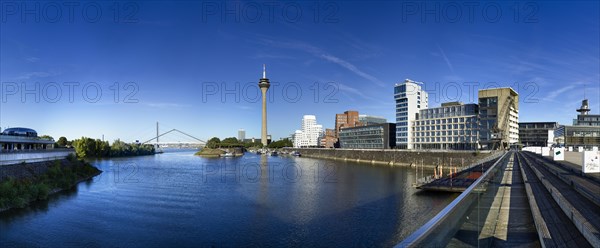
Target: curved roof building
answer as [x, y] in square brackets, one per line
[21, 138]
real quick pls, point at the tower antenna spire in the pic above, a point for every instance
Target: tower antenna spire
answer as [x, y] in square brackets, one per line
[264, 71]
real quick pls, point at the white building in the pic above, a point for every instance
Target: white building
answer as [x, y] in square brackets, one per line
[310, 135]
[241, 135]
[410, 98]
[454, 126]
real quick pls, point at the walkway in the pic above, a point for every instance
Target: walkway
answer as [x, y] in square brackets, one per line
[501, 217]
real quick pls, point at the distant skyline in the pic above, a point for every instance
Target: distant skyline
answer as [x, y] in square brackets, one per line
[180, 57]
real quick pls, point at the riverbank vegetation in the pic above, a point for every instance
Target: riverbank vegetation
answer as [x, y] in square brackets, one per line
[96, 148]
[280, 144]
[230, 142]
[210, 152]
[62, 174]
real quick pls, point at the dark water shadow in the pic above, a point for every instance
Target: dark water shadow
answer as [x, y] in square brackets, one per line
[39, 206]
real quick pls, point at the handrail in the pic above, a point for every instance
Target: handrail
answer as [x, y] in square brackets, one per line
[494, 155]
[8, 151]
[429, 227]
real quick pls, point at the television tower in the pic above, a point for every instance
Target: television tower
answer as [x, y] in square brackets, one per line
[264, 85]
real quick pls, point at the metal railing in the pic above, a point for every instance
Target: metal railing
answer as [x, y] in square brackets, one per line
[431, 178]
[31, 156]
[438, 231]
[8, 151]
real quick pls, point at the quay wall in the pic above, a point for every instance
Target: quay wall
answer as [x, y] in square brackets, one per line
[429, 158]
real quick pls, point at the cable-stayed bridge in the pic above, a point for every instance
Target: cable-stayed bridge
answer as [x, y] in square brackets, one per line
[189, 141]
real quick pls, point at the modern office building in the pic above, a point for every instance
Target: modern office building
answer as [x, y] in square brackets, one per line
[347, 119]
[537, 133]
[376, 136]
[20, 138]
[453, 126]
[311, 133]
[366, 120]
[578, 136]
[498, 118]
[585, 131]
[241, 135]
[410, 98]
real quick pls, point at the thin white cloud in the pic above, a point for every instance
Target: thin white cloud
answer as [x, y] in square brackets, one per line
[354, 91]
[323, 55]
[32, 59]
[352, 68]
[561, 91]
[446, 59]
[36, 74]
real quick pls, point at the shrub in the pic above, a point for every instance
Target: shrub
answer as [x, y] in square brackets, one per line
[71, 157]
[18, 202]
[43, 190]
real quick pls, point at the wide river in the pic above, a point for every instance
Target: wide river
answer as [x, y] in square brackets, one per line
[176, 199]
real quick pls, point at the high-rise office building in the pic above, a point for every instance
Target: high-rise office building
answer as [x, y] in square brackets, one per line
[241, 135]
[410, 98]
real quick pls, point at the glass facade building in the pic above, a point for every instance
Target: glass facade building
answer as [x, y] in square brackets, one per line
[536, 133]
[410, 98]
[585, 131]
[377, 136]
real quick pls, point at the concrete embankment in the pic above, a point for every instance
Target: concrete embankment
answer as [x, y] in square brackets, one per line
[429, 158]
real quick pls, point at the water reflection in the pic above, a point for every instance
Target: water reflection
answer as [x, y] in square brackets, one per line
[185, 200]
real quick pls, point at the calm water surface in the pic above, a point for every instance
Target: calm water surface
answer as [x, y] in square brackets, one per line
[179, 199]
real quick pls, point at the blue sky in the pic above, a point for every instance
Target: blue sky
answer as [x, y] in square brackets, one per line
[172, 61]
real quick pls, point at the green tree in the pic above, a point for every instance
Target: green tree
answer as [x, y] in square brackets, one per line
[85, 147]
[119, 148]
[62, 142]
[230, 142]
[214, 142]
[281, 143]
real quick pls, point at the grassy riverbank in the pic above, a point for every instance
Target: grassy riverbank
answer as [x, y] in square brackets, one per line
[210, 152]
[60, 175]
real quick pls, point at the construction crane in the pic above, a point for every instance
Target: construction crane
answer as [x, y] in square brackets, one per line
[500, 133]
